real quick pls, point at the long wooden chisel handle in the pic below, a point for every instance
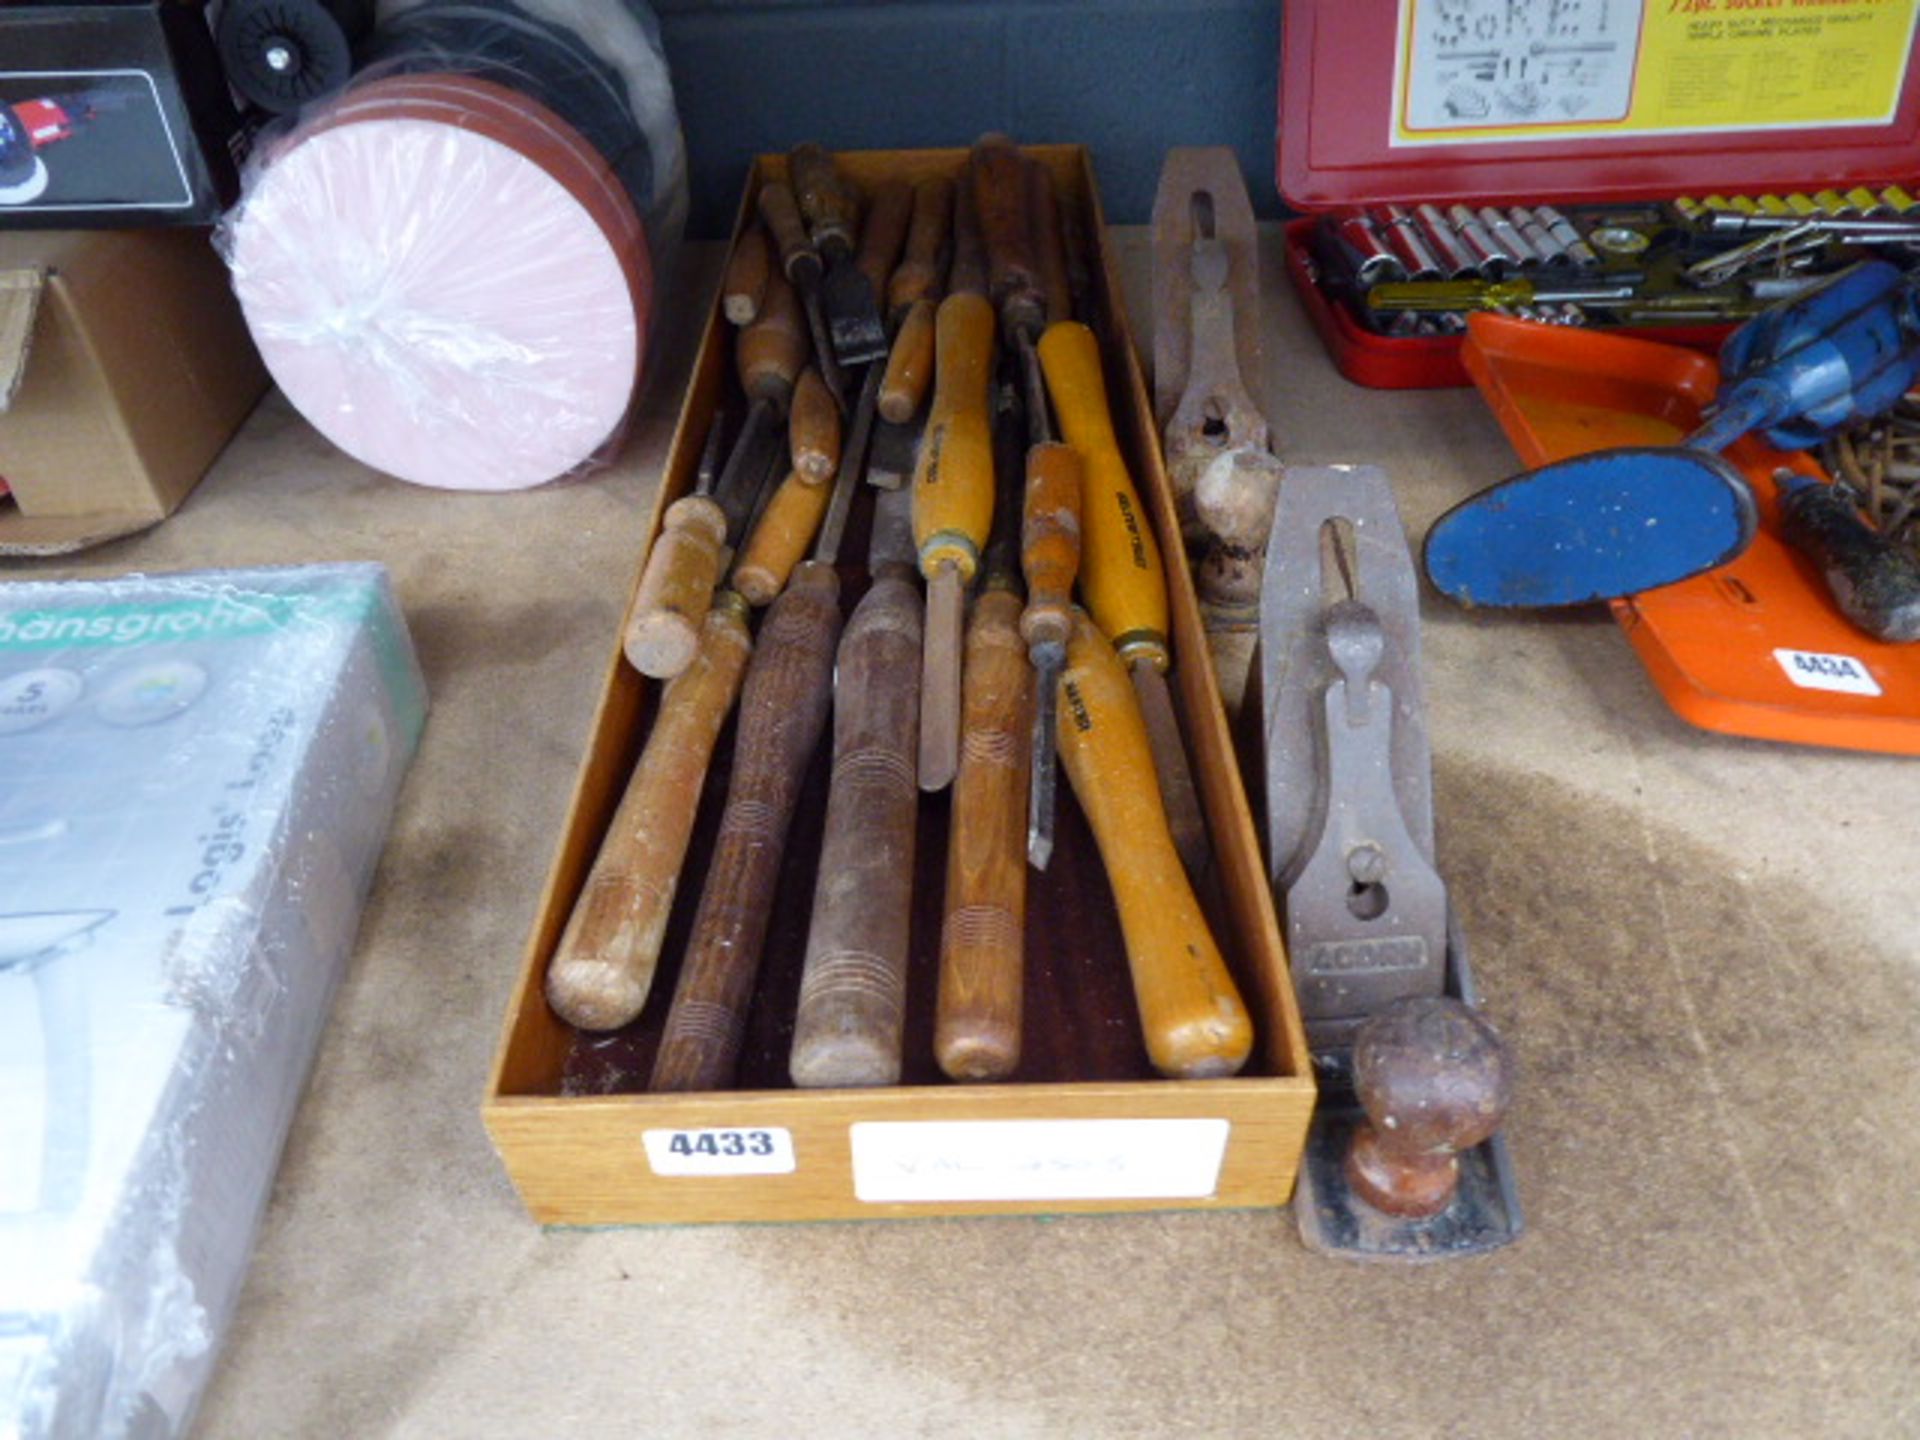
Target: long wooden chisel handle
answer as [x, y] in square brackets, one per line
[604, 966]
[783, 710]
[853, 990]
[978, 1014]
[1195, 1022]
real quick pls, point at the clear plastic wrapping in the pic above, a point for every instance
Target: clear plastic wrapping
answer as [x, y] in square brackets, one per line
[449, 266]
[197, 774]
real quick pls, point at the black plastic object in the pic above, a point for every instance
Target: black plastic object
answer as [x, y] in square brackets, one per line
[282, 54]
[1596, 527]
[525, 51]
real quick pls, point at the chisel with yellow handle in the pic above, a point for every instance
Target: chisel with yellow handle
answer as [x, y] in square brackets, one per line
[1195, 1023]
[603, 968]
[952, 514]
[1121, 578]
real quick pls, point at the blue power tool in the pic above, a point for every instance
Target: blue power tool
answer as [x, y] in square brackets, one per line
[1617, 522]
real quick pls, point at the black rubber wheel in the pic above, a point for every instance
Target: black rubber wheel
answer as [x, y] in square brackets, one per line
[282, 54]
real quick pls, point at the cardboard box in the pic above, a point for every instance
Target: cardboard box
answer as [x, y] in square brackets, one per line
[1116, 1139]
[125, 367]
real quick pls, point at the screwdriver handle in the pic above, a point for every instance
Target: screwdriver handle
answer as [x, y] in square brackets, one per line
[883, 234]
[827, 203]
[604, 966]
[771, 351]
[977, 1014]
[745, 286]
[676, 588]
[799, 261]
[953, 473]
[853, 991]
[999, 181]
[1195, 1023]
[813, 429]
[1050, 543]
[780, 539]
[783, 710]
[909, 366]
[923, 269]
[1120, 573]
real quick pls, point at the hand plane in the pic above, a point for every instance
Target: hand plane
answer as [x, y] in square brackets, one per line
[1402, 1161]
[1206, 353]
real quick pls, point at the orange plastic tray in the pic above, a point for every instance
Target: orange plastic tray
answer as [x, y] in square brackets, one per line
[1754, 648]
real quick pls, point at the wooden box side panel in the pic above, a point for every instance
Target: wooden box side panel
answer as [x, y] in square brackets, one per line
[593, 1169]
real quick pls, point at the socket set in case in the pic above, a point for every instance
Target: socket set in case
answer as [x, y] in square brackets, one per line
[1547, 164]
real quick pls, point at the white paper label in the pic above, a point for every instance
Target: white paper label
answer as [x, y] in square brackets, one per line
[903, 1161]
[1811, 670]
[760, 1150]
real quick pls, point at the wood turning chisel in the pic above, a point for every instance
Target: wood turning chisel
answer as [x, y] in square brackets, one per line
[912, 296]
[977, 1015]
[1050, 528]
[813, 429]
[803, 268]
[853, 989]
[831, 207]
[603, 969]
[952, 515]
[1120, 576]
[744, 288]
[676, 587]
[784, 700]
[1195, 1023]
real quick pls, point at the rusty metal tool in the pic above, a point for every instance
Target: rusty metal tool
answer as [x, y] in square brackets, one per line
[1378, 960]
[784, 701]
[1218, 445]
[831, 207]
[853, 989]
[1121, 579]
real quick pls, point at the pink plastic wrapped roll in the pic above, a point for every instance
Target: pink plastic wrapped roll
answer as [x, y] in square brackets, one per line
[448, 282]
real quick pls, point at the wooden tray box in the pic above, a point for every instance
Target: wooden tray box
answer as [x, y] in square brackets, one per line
[580, 1156]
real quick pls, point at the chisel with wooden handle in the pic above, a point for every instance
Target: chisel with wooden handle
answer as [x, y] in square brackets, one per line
[1120, 569]
[803, 268]
[1050, 558]
[853, 990]
[676, 587]
[600, 974]
[783, 710]
[952, 514]
[977, 1013]
[1195, 1023]
[882, 235]
[745, 287]
[831, 208]
[813, 429]
[923, 269]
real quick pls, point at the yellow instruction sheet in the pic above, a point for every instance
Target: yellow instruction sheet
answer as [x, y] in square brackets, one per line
[1471, 71]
